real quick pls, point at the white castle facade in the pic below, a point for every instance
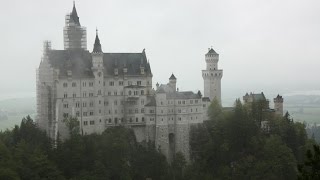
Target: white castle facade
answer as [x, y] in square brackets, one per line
[103, 90]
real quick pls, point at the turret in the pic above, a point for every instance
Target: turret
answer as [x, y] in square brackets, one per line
[278, 105]
[97, 54]
[173, 82]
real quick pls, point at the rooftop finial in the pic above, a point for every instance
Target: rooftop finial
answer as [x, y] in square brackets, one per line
[96, 31]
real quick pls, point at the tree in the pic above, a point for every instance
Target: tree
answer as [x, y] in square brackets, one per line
[310, 169]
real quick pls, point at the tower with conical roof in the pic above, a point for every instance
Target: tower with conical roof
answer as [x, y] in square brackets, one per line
[74, 35]
[173, 82]
[212, 76]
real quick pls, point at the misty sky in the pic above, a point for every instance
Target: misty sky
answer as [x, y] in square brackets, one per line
[263, 44]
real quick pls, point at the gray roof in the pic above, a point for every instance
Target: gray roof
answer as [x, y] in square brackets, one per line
[211, 51]
[97, 45]
[79, 61]
[152, 101]
[259, 97]
[182, 95]
[74, 15]
[205, 99]
[172, 77]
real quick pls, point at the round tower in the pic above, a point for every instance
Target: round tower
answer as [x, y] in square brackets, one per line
[278, 105]
[212, 76]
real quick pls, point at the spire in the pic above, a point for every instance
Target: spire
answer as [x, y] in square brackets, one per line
[74, 15]
[172, 77]
[97, 45]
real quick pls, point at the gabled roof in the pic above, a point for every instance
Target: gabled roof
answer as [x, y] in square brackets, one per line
[182, 95]
[79, 61]
[259, 97]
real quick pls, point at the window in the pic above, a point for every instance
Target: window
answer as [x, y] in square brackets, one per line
[91, 122]
[85, 123]
[137, 119]
[183, 102]
[115, 93]
[85, 114]
[77, 104]
[115, 111]
[142, 110]
[106, 103]
[115, 102]
[77, 113]
[129, 93]
[136, 111]
[65, 105]
[65, 115]
[99, 92]
[109, 93]
[91, 104]
[142, 92]
[74, 84]
[110, 120]
[142, 119]
[84, 104]
[91, 113]
[90, 84]
[65, 95]
[65, 84]
[90, 94]
[139, 83]
[129, 83]
[84, 84]
[74, 95]
[130, 119]
[179, 110]
[196, 101]
[111, 83]
[142, 101]
[179, 102]
[120, 83]
[191, 101]
[84, 94]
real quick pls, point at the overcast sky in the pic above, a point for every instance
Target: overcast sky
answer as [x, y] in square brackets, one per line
[263, 44]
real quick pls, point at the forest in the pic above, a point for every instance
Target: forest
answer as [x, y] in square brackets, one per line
[231, 145]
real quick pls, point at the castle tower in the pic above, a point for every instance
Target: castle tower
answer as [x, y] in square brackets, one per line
[97, 69]
[278, 105]
[74, 35]
[212, 76]
[173, 82]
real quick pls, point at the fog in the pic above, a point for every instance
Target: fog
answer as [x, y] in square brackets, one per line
[264, 45]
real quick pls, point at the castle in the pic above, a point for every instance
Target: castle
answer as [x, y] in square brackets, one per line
[103, 90]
